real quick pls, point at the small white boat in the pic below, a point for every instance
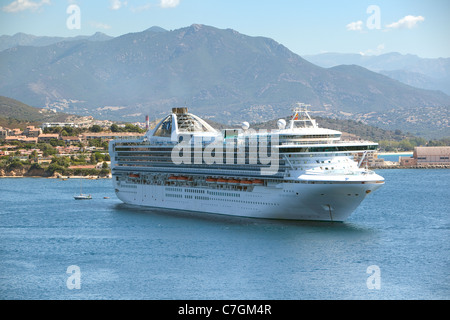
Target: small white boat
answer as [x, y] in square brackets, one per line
[82, 196]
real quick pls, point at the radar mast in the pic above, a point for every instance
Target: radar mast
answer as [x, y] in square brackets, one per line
[301, 117]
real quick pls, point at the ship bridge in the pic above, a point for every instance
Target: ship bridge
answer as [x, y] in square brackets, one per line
[302, 129]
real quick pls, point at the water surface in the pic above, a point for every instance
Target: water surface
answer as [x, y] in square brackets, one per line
[126, 252]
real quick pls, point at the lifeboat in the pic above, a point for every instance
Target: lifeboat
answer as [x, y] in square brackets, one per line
[173, 178]
[222, 181]
[245, 183]
[257, 182]
[134, 175]
[233, 182]
[211, 180]
[182, 179]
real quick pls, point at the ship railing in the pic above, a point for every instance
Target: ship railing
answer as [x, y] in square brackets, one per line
[306, 142]
[345, 172]
[203, 171]
[131, 138]
[325, 142]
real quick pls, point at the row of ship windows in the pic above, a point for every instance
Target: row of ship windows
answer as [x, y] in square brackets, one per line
[128, 156]
[320, 161]
[170, 195]
[122, 160]
[187, 196]
[174, 189]
[225, 194]
[212, 193]
[225, 164]
[129, 186]
[194, 191]
[247, 168]
[165, 161]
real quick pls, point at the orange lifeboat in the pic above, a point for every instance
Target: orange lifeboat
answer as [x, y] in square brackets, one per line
[232, 181]
[257, 182]
[182, 179]
[222, 181]
[134, 175]
[173, 178]
[211, 180]
[245, 183]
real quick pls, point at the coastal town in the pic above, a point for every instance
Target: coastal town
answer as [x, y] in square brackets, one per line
[59, 150]
[80, 149]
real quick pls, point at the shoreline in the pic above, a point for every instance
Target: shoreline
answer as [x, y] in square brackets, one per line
[394, 153]
[63, 178]
[59, 177]
[411, 167]
[80, 177]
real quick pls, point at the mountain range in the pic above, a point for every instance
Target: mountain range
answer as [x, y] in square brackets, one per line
[219, 74]
[425, 73]
[23, 39]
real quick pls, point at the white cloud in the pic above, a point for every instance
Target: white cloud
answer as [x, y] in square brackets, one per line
[355, 26]
[142, 8]
[100, 25]
[22, 5]
[117, 4]
[379, 50]
[169, 3]
[165, 4]
[406, 22]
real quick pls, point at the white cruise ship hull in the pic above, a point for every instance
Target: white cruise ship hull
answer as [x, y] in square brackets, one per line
[318, 201]
[297, 172]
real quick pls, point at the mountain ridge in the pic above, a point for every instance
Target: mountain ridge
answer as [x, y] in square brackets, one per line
[24, 39]
[425, 73]
[219, 73]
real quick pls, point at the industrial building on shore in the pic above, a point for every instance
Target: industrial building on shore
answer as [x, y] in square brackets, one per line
[427, 156]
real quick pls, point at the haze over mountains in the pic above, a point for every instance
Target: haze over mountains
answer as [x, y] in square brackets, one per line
[217, 73]
[23, 39]
[432, 74]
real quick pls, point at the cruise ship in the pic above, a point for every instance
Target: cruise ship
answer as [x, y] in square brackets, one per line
[296, 171]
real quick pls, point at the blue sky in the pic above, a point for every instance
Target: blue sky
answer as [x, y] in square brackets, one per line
[306, 27]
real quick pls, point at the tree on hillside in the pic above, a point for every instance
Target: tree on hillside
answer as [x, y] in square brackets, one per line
[115, 128]
[95, 128]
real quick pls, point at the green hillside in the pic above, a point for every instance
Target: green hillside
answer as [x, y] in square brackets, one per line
[15, 114]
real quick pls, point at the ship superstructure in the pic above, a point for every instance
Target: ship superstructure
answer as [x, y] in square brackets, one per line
[297, 171]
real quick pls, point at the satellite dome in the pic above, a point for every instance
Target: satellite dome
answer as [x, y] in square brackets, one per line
[245, 125]
[281, 124]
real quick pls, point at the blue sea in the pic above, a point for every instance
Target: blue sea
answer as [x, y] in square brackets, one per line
[396, 245]
[394, 157]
